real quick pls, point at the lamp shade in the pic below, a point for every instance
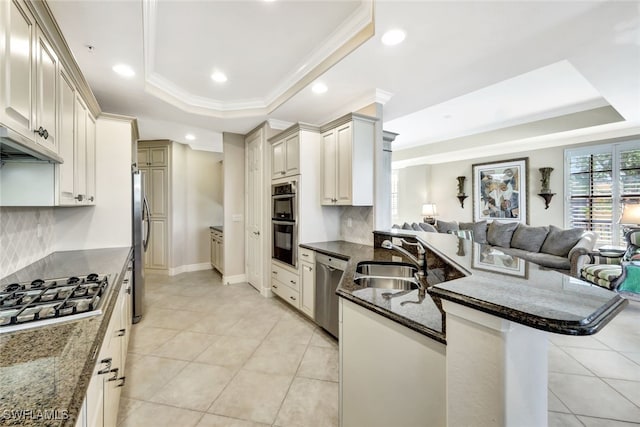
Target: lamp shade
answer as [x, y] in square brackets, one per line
[429, 209]
[630, 214]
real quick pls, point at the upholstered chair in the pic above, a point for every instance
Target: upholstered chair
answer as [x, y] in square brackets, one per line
[611, 272]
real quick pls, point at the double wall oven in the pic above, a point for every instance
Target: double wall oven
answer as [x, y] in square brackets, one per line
[284, 219]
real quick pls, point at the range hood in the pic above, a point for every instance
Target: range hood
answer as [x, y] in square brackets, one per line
[16, 148]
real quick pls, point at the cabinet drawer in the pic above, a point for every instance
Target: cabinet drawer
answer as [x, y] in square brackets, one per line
[286, 293]
[307, 255]
[284, 276]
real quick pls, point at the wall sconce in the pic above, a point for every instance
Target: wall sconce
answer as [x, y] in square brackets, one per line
[429, 212]
[461, 196]
[545, 192]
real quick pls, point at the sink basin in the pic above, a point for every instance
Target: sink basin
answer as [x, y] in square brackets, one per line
[386, 269]
[395, 283]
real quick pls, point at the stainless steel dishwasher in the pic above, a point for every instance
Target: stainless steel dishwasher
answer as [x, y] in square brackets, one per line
[328, 274]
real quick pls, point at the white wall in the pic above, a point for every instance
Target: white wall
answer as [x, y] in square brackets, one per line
[108, 223]
[233, 147]
[413, 192]
[197, 205]
[444, 186]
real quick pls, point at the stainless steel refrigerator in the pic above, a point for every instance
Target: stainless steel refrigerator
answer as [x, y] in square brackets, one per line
[140, 241]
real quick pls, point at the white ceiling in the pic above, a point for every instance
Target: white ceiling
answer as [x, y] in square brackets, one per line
[465, 68]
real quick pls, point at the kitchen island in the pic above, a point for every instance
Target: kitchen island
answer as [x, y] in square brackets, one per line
[494, 312]
[45, 370]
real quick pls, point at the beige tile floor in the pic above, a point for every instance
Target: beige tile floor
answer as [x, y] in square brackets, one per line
[208, 355]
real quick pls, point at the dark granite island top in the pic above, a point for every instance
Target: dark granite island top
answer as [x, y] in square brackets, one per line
[408, 309]
[219, 228]
[48, 368]
[517, 290]
[480, 277]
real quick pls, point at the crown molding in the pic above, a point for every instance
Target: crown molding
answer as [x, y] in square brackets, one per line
[353, 32]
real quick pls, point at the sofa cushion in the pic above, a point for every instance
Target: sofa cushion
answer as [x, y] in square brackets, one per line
[549, 261]
[601, 274]
[479, 230]
[559, 242]
[445, 227]
[406, 226]
[529, 238]
[427, 227]
[415, 227]
[499, 233]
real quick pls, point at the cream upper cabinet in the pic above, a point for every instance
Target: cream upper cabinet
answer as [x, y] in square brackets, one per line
[155, 156]
[17, 67]
[66, 170]
[285, 157]
[91, 160]
[347, 161]
[81, 150]
[44, 124]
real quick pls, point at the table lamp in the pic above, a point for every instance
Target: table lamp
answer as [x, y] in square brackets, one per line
[429, 212]
[630, 216]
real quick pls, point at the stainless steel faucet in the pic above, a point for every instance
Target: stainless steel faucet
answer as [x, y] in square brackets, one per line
[421, 262]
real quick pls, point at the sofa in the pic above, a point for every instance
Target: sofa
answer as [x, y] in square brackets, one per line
[548, 246]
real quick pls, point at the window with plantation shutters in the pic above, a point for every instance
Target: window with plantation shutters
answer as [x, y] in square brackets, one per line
[599, 181]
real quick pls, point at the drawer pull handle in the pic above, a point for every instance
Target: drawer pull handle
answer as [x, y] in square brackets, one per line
[121, 332]
[305, 255]
[115, 374]
[274, 272]
[293, 281]
[129, 290]
[293, 298]
[275, 287]
[107, 368]
[122, 381]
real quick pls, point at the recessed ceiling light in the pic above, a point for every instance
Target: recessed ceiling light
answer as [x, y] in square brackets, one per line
[393, 37]
[218, 77]
[123, 70]
[319, 88]
[190, 137]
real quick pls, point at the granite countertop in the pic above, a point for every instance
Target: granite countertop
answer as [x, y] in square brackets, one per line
[219, 228]
[408, 309]
[517, 290]
[48, 368]
[481, 277]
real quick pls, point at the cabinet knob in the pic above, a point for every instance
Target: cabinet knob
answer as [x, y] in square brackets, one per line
[91, 199]
[293, 281]
[129, 290]
[79, 197]
[282, 173]
[293, 298]
[274, 272]
[274, 286]
[42, 132]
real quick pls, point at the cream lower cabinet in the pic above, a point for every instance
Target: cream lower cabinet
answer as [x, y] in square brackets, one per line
[285, 283]
[347, 161]
[307, 281]
[217, 250]
[376, 352]
[100, 407]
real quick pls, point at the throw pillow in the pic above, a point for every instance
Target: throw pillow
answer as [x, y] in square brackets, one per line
[445, 227]
[479, 230]
[406, 226]
[529, 238]
[559, 242]
[632, 280]
[427, 227]
[415, 227]
[500, 233]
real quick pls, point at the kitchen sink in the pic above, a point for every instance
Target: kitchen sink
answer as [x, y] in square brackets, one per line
[386, 269]
[394, 283]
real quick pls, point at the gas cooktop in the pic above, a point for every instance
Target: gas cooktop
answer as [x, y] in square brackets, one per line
[30, 304]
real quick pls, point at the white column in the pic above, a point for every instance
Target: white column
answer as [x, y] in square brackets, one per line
[496, 370]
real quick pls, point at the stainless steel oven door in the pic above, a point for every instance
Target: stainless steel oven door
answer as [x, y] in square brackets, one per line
[285, 242]
[284, 207]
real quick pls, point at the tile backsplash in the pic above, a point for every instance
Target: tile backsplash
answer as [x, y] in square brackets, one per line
[22, 241]
[361, 228]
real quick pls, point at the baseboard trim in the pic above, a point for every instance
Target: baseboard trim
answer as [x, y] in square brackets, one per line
[230, 280]
[189, 267]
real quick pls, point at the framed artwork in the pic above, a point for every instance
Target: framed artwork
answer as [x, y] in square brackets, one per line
[500, 191]
[492, 259]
